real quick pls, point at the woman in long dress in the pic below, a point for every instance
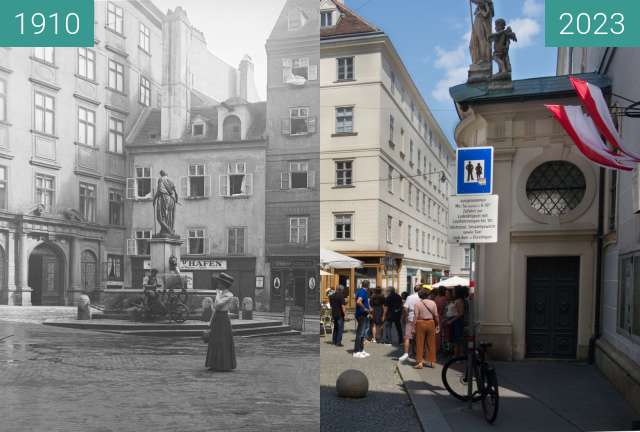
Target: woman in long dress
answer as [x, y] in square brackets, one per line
[480, 47]
[221, 355]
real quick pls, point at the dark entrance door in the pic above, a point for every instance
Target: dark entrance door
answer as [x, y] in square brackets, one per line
[552, 307]
[45, 277]
[300, 285]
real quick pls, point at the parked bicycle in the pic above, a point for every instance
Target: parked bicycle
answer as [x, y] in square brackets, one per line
[484, 380]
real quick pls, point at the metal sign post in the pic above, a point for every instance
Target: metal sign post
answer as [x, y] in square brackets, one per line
[471, 343]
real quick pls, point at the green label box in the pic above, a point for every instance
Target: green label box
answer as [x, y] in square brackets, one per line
[46, 23]
[592, 23]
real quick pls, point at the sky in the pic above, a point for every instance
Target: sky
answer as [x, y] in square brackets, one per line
[432, 37]
[233, 29]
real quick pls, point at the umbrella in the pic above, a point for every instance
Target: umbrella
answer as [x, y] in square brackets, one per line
[452, 282]
[335, 260]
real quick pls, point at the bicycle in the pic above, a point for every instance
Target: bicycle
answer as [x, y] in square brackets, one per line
[484, 385]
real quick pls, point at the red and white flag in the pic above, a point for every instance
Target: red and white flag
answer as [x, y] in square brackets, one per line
[584, 134]
[596, 106]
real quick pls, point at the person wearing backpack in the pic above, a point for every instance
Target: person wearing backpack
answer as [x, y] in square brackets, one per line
[427, 323]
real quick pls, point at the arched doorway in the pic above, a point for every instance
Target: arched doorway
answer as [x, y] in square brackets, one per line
[88, 272]
[46, 276]
[231, 128]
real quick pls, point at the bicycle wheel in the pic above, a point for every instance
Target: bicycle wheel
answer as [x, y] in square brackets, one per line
[454, 378]
[179, 313]
[491, 397]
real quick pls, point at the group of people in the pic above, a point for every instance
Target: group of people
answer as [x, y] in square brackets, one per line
[427, 321]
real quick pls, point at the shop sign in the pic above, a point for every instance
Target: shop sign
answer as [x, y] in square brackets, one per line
[473, 219]
[203, 264]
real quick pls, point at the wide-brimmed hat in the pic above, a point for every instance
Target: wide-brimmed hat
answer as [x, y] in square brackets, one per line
[225, 278]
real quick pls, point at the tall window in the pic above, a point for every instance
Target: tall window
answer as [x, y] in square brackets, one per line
[344, 226]
[142, 238]
[417, 240]
[86, 127]
[326, 19]
[144, 40]
[196, 242]
[143, 182]
[410, 194]
[116, 135]
[115, 268]
[299, 118]
[345, 68]
[145, 91]
[115, 17]
[45, 115]
[409, 236]
[232, 128]
[299, 176]
[402, 188]
[116, 207]
[411, 152]
[298, 229]
[389, 229]
[391, 128]
[390, 179]
[236, 182]
[3, 188]
[424, 235]
[45, 191]
[344, 120]
[87, 63]
[116, 76]
[236, 241]
[344, 173]
[45, 54]
[3, 100]
[197, 180]
[88, 201]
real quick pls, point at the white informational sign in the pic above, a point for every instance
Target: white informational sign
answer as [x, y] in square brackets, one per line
[473, 219]
[203, 264]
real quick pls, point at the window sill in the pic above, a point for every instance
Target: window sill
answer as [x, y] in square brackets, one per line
[118, 227]
[120, 92]
[344, 134]
[344, 240]
[142, 199]
[109, 152]
[144, 51]
[345, 80]
[112, 31]
[344, 187]
[44, 134]
[196, 198]
[43, 62]
[87, 146]
[237, 196]
[89, 80]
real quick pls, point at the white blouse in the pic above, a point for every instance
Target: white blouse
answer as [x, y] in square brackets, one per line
[224, 300]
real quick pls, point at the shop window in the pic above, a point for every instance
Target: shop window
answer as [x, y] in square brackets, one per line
[555, 188]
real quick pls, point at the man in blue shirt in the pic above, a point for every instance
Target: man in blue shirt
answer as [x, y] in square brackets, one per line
[362, 317]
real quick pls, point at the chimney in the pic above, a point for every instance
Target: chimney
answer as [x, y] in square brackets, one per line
[176, 85]
[246, 75]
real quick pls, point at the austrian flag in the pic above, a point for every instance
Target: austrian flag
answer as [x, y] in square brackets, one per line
[587, 131]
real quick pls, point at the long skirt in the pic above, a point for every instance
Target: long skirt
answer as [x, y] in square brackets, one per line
[221, 354]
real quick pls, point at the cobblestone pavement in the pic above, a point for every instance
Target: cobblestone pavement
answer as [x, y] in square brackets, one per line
[73, 380]
[386, 408]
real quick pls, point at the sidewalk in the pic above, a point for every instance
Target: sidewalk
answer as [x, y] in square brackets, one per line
[534, 396]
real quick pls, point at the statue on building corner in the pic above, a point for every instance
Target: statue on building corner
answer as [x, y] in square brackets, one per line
[480, 46]
[164, 203]
[501, 40]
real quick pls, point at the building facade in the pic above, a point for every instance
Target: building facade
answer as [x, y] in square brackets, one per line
[616, 342]
[65, 114]
[292, 199]
[385, 163]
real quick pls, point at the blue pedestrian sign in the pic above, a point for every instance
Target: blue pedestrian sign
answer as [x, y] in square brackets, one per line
[474, 171]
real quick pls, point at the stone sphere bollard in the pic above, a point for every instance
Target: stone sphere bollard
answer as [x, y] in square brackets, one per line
[207, 309]
[352, 384]
[84, 312]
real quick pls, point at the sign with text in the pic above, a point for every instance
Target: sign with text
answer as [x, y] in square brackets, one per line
[592, 23]
[203, 264]
[47, 23]
[474, 171]
[473, 219]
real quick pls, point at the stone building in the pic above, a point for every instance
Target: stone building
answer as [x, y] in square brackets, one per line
[385, 162]
[293, 104]
[64, 116]
[616, 328]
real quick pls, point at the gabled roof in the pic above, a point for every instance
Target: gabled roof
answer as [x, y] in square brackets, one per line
[348, 24]
[308, 10]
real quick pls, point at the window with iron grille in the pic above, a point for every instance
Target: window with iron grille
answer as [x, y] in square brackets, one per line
[555, 188]
[344, 173]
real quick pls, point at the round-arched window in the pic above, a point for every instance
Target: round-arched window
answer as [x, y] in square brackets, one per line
[555, 188]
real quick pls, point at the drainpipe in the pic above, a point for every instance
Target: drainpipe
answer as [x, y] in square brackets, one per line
[596, 321]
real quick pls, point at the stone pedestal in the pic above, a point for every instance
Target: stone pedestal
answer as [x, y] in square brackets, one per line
[479, 73]
[161, 250]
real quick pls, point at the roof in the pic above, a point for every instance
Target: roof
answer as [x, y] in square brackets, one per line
[349, 24]
[526, 89]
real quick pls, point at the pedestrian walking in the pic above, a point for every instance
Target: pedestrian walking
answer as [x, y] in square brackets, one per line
[410, 329]
[337, 302]
[221, 355]
[427, 325]
[392, 315]
[377, 306]
[362, 319]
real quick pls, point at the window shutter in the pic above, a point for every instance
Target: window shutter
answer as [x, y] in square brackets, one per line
[207, 186]
[311, 179]
[287, 70]
[311, 125]
[132, 247]
[286, 126]
[284, 180]
[248, 184]
[131, 188]
[206, 245]
[105, 271]
[224, 185]
[184, 186]
[184, 247]
[313, 72]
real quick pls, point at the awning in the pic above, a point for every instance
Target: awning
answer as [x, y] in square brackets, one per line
[329, 258]
[452, 282]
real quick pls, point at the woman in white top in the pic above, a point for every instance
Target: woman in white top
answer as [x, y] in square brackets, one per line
[221, 354]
